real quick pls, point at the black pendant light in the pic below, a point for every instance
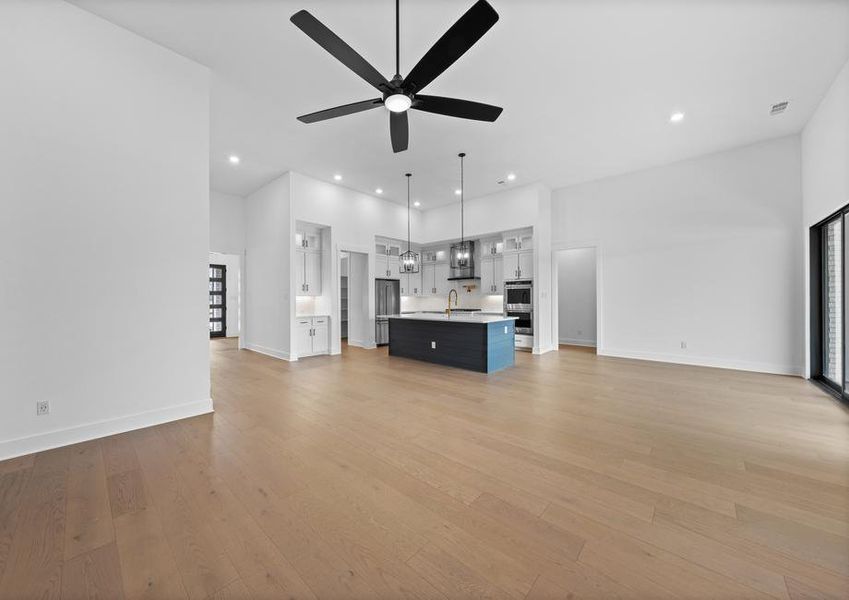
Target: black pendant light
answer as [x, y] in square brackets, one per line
[461, 253]
[409, 259]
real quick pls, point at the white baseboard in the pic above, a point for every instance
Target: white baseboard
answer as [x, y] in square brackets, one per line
[543, 349]
[577, 342]
[99, 429]
[706, 361]
[272, 352]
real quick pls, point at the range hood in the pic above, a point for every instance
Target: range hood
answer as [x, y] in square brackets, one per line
[462, 261]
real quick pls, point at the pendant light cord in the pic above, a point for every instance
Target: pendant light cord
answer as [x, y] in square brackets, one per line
[408, 210]
[462, 205]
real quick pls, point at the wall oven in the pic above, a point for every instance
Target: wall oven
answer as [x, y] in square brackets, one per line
[519, 303]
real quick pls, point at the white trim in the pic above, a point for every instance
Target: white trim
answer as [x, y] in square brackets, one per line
[543, 349]
[706, 361]
[272, 352]
[577, 342]
[99, 429]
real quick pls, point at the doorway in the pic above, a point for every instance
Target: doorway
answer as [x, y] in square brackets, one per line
[231, 302]
[354, 314]
[577, 300]
[217, 301]
[828, 253]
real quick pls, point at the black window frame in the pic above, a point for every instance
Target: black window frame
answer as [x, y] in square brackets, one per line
[223, 305]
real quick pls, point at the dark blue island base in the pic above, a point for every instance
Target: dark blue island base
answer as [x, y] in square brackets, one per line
[476, 345]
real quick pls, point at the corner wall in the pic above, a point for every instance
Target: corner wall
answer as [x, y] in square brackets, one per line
[704, 251]
[104, 229]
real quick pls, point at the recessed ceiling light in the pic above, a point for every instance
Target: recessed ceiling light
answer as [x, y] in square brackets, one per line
[511, 176]
[234, 160]
[337, 177]
[378, 191]
[676, 117]
[457, 192]
[417, 203]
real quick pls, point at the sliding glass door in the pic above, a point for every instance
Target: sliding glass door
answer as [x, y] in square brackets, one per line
[829, 256]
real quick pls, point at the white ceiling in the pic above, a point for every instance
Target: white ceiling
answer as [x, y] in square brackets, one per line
[587, 86]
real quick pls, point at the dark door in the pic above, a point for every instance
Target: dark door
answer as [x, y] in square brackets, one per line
[217, 301]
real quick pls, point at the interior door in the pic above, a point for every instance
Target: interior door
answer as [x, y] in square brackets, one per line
[217, 301]
[832, 298]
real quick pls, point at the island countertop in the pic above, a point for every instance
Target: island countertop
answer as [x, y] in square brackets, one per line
[454, 318]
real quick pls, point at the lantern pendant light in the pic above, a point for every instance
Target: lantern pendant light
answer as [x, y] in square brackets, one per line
[461, 253]
[409, 259]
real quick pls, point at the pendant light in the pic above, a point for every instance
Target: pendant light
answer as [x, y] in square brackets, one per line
[409, 259]
[462, 252]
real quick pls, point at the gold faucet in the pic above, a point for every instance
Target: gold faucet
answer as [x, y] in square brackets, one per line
[456, 301]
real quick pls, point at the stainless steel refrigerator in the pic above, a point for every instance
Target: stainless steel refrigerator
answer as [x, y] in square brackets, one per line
[387, 301]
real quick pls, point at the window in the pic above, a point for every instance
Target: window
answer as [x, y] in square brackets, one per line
[217, 301]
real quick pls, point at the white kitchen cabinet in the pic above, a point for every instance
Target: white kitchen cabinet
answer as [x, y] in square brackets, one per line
[312, 336]
[308, 238]
[514, 242]
[492, 275]
[442, 285]
[518, 265]
[387, 259]
[307, 273]
[492, 247]
[526, 264]
[381, 266]
[428, 279]
[411, 284]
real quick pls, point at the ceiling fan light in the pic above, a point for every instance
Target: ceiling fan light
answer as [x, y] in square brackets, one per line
[398, 102]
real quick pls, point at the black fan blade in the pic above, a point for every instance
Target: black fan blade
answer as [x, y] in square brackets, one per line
[338, 48]
[452, 45]
[341, 111]
[399, 131]
[452, 107]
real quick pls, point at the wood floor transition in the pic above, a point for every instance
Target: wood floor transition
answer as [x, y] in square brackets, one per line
[365, 476]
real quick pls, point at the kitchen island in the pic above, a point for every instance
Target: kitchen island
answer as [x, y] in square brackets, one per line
[484, 343]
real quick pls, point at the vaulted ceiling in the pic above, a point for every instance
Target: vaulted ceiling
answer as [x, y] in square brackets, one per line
[587, 86]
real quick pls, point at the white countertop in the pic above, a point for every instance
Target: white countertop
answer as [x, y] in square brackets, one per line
[454, 318]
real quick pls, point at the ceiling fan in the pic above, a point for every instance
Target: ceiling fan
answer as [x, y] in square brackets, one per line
[402, 93]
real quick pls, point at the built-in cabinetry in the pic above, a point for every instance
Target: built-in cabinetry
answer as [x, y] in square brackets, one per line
[492, 274]
[307, 261]
[312, 336]
[518, 252]
[435, 278]
[387, 262]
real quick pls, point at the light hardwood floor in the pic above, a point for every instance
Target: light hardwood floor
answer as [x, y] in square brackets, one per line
[364, 476]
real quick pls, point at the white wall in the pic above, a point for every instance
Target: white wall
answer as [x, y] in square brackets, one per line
[825, 170]
[104, 229]
[269, 255]
[705, 251]
[576, 296]
[226, 223]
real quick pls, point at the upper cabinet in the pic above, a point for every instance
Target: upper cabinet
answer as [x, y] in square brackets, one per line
[492, 274]
[491, 247]
[308, 238]
[387, 259]
[517, 241]
[307, 260]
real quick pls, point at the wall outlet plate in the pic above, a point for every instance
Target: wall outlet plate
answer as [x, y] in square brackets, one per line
[42, 407]
[433, 345]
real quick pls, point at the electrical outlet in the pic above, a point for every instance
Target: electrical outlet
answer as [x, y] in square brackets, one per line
[433, 345]
[42, 407]
[683, 345]
[505, 329]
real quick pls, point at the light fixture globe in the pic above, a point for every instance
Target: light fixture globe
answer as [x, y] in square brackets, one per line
[398, 103]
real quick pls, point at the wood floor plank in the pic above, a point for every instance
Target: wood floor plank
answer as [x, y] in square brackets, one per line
[119, 455]
[34, 566]
[12, 486]
[148, 565]
[88, 522]
[94, 575]
[126, 492]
